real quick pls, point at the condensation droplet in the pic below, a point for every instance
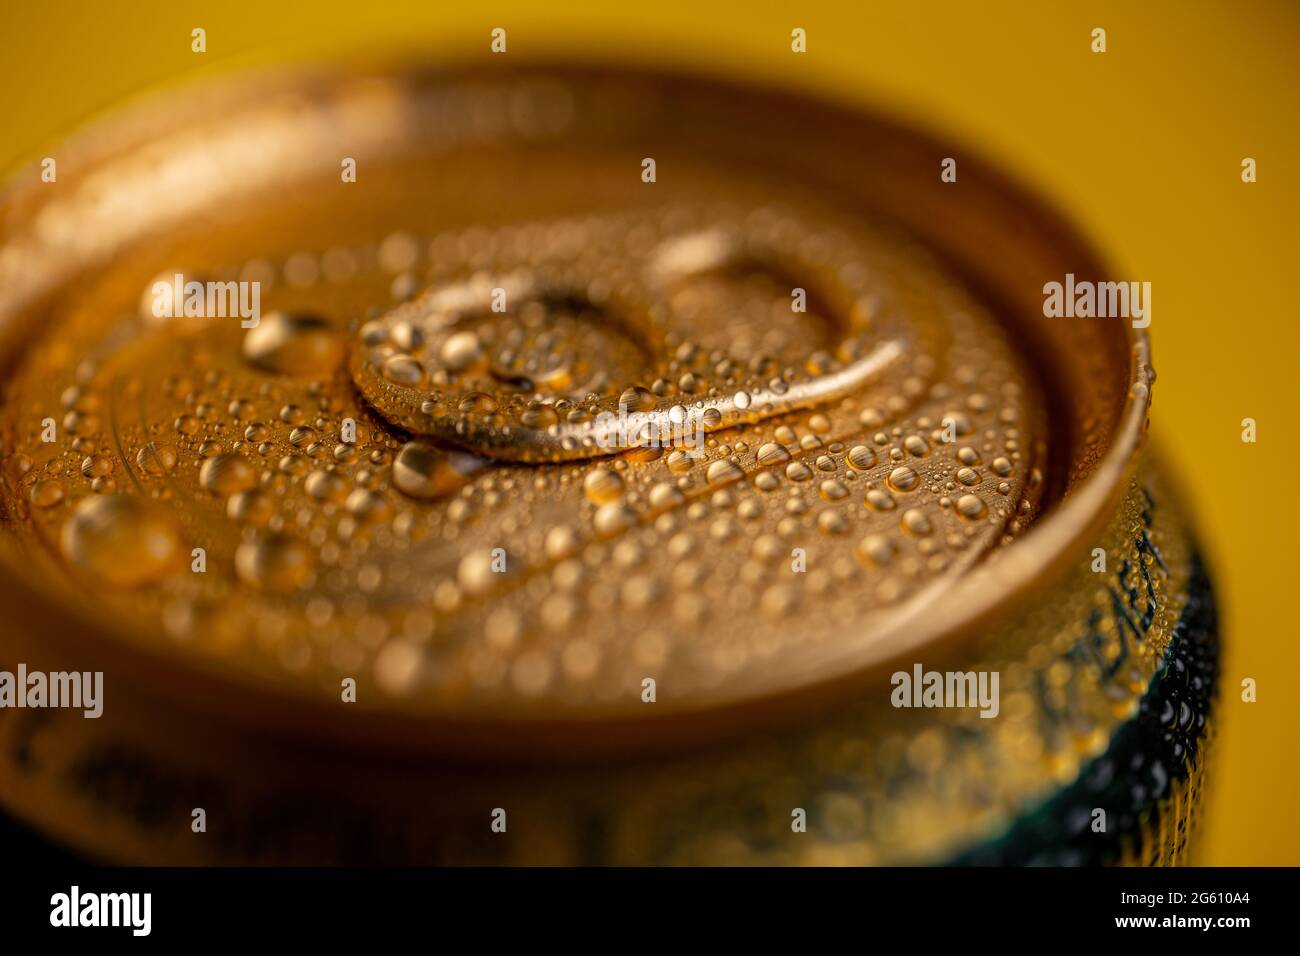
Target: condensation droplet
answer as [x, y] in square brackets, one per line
[123, 541]
[294, 344]
[227, 474]
[424, 471]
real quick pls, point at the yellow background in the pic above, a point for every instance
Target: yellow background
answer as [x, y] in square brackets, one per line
[1141, 145]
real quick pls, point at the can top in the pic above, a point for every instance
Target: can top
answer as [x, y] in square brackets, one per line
[522, 398]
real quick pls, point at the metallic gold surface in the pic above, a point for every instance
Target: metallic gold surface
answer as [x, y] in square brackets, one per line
[878, 784]
[644, 467]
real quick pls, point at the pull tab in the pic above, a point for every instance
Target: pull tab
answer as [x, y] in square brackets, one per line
[555, 357]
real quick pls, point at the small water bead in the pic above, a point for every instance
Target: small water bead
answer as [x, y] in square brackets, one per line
[1002, 467]
[365, 478]
[398, 667]
[294, 465]
[156, 459]
[968, 456]
[81, 423]
[825, 463]
[798, 471]
[95, 466]
[294, 344]
[478, 403]
[613, 518]
[477, 572]
[903, 478]
[968, 476]
[664, 495]
[422, 470]
[74, 396]
[878, 500]
[253, 508]
[723, 472]
[326, 486]
[124, 541]
[644, 453]
[368, 505]
[916, 446]
[861, 458]
[403, 370]
[635, 398]
[374, 333]
[970, 507]
[819, 423]
[293, 415]
[772, 453]
[275, 562]
[833, 490]
[766, 481]
[227, 474]
[722, 528]
[832, 522]
[777, 603]
[602, 485]
[461, 352]
[958, 421]
[539, 416]
[46, 493]
[561, 542]
[679, 461]
[874, 550]
[916, 521]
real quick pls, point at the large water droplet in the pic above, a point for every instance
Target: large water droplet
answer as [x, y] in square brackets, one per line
[227, 474]
[275, 562]
[294, 344]
[122, 540]
[422, 470]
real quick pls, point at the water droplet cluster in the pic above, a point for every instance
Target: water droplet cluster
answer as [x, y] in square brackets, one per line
[390, 478]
